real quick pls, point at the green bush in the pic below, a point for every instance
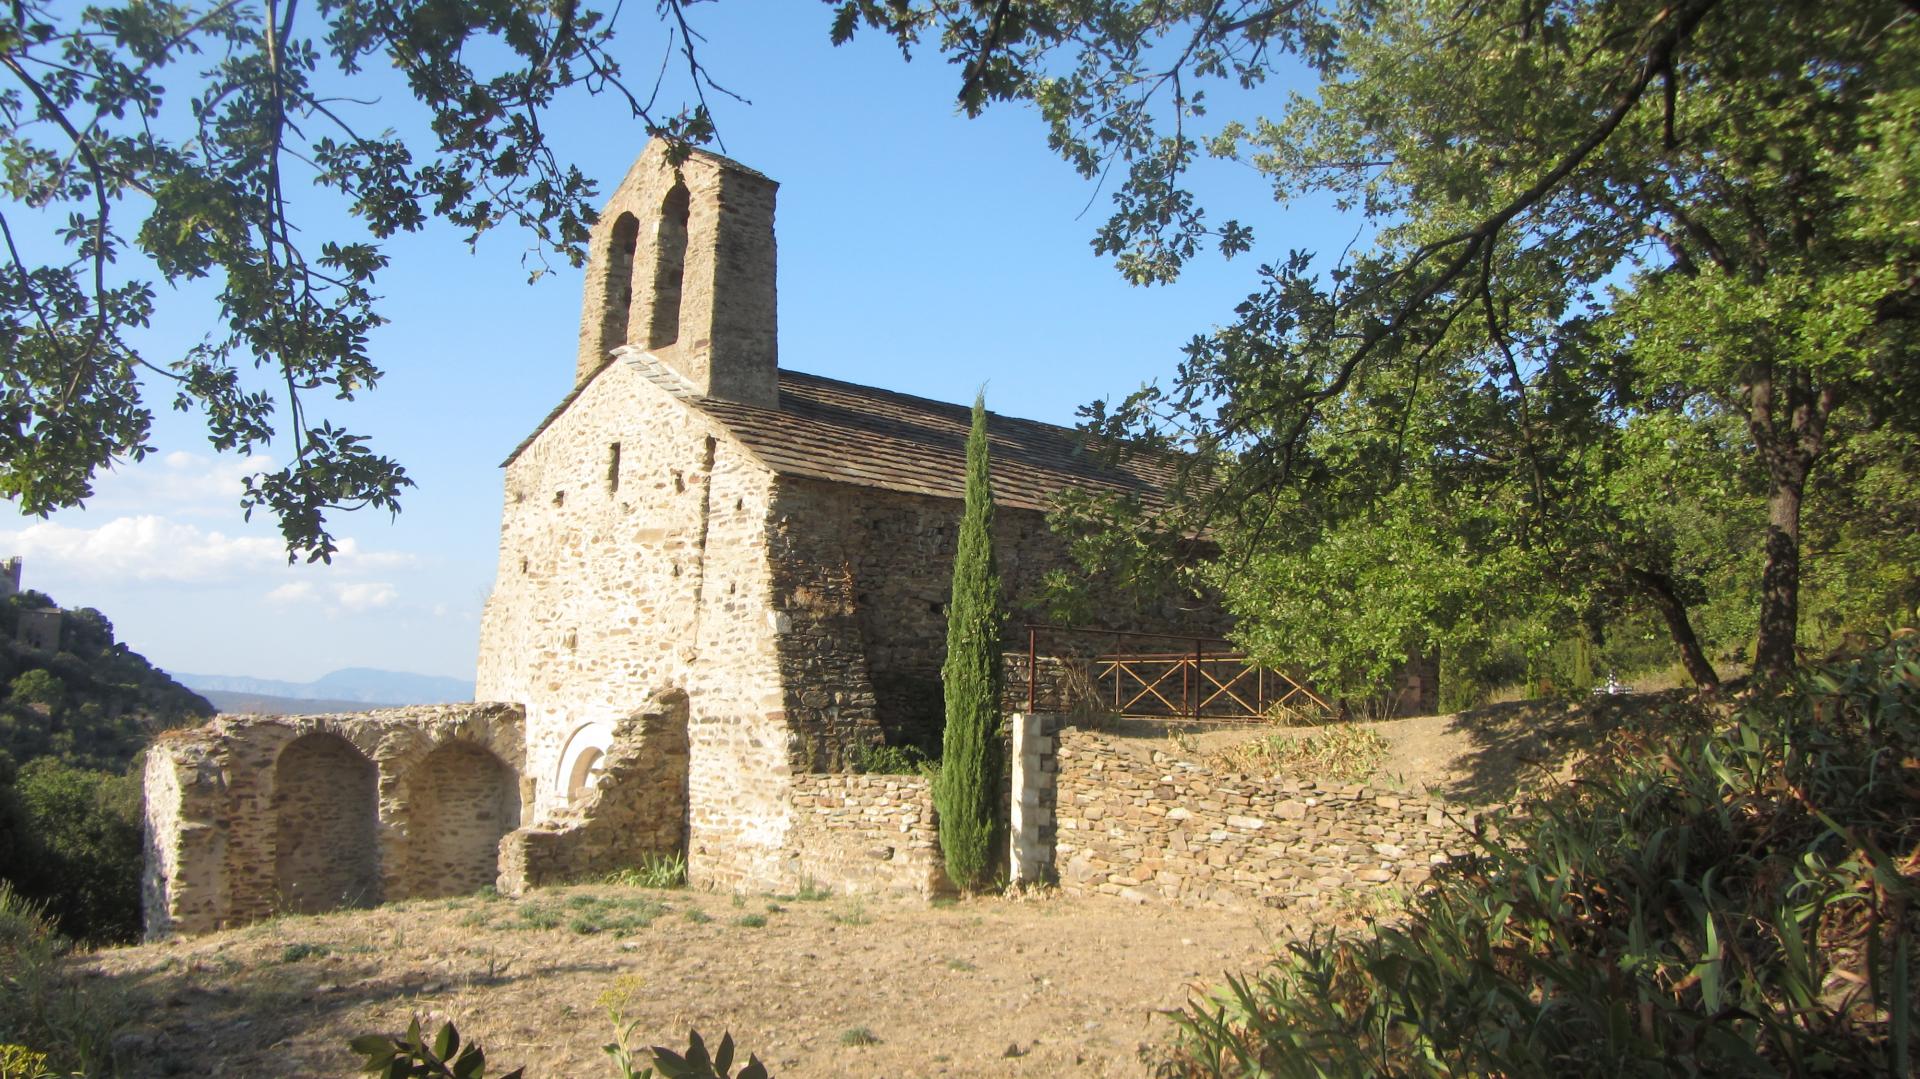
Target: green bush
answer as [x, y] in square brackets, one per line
[71, 839]
[894, 761]
[1714, 896]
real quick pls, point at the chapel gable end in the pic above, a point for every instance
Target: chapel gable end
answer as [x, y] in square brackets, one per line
[681, 265]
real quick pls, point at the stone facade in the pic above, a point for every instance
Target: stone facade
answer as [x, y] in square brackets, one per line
[252, 816]
[1137, 822]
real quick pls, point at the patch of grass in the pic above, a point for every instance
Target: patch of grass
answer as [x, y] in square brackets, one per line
[293, 953]
[812, 891]
[739, 900]
[1343, 752]
[751, 921]
[654, 871]
[775, 908]
[942, 902]
[853, 913]
[857, 1036]
[537, 916]
[959, 964]
[617, 914]
[697, 916]
[476, 919]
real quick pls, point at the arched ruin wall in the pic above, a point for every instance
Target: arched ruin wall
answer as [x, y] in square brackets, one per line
[211, 826]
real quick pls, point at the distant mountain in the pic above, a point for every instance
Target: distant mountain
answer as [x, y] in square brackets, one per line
[262, 704]
[353, 685]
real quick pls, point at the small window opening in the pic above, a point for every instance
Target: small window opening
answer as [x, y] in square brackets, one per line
[559, 498]
[669, 269]
[618, 298]
[613, 468]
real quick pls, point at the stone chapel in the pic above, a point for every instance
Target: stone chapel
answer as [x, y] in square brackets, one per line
[718, 580]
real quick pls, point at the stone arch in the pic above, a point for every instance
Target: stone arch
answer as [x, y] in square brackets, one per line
[326, 807]
[461, 799]
[669, 268]
[583, 762]
[617, 302]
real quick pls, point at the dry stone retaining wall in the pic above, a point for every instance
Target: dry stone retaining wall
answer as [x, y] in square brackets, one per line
[1137, 822]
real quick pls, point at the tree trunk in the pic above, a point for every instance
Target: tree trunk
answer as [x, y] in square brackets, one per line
[1659, 588]
[1773, 653]
[1788, 449]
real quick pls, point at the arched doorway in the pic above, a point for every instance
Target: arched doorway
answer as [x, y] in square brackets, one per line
[461, 800]
[326, 802]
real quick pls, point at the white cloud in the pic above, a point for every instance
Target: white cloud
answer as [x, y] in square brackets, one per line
[292, 593]
[364, 595]
[151, 548]
[143, 548]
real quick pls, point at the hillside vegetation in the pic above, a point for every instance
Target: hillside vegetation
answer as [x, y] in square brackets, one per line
[73, 724]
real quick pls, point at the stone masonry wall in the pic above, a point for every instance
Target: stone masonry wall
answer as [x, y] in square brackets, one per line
[867, 834]
[639, 807]
[1137, 822]
[248, 816]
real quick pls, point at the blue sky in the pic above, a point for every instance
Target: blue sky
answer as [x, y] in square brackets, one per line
[919, 251]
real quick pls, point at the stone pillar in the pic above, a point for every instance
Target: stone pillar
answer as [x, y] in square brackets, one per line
[1031, 831]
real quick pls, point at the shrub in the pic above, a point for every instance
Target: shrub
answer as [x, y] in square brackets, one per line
[894, 761]
[44, 1014]
[1715, 896]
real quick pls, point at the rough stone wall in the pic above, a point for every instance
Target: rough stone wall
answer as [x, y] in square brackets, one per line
[1139, 823]
[638, 809]
[863, 577]
[867, 834]
[726, 340]
[217, 798]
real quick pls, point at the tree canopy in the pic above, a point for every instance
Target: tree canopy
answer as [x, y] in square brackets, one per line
[1632, 270]
[157, 140]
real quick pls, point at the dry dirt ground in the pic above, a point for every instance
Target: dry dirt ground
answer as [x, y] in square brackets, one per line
[816, 986]
[1038, 986]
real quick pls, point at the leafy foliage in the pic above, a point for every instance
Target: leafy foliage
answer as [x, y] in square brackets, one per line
[163, 138]
[965, 793]
[412, 1055]
[1714, 896]
[894, 761]
[1628, 273]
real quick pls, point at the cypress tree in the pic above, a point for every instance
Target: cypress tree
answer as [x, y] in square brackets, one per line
[966, 793]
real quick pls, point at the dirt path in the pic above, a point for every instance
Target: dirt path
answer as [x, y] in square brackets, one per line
[1070, 986]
